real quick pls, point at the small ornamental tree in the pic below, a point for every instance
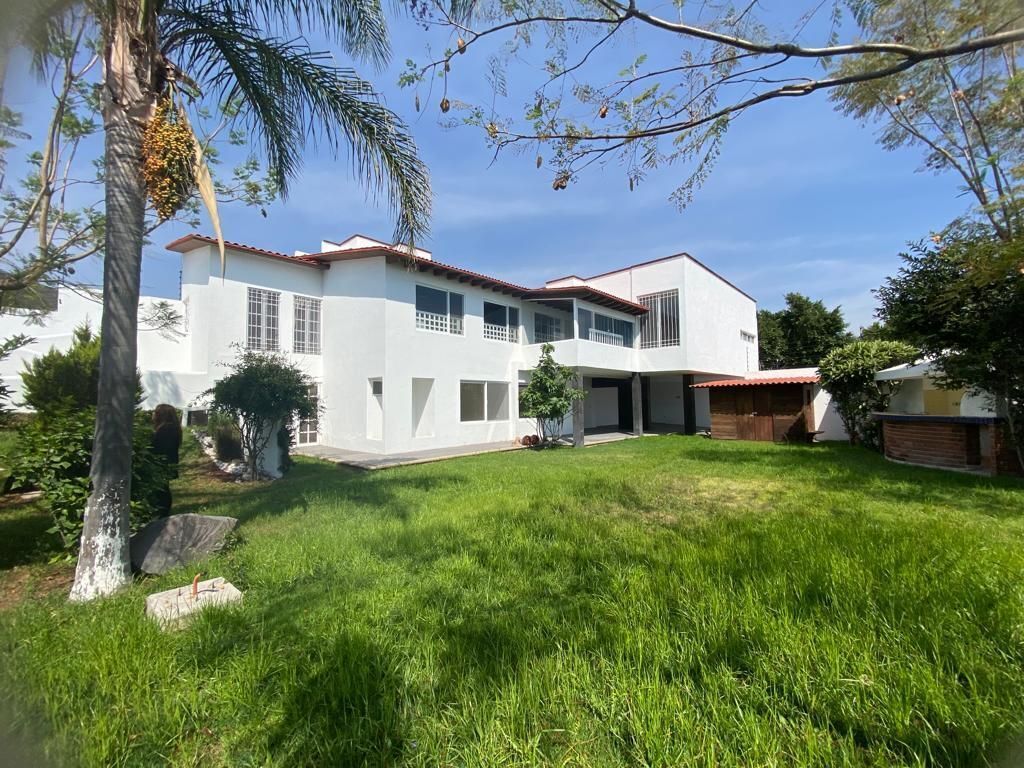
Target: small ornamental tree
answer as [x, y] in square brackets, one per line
[262, 393]
[848, 374]
[549, 396]
[66, 380]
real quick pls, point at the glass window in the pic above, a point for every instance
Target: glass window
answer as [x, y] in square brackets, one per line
[501, 323]
[471, 400]
[586, 321]
[480, 401]
[455, 306]
[497, 401]
[438, 310]
[261, 327]
[546, 328]
[431, 300]
[494, 314]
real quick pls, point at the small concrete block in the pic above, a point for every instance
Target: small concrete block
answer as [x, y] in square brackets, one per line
[175, 607]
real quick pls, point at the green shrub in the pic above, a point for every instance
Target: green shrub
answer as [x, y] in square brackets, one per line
[64, 380]
[848, 375]
[54, 455]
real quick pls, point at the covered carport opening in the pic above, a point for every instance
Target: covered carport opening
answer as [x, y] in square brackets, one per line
[609, 405]
[765, 409]
[666, 400]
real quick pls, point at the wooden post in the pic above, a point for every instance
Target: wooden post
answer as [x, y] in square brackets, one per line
[638, 406]
[577, 415]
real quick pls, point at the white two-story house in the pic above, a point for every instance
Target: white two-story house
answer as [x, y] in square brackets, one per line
[409, 353]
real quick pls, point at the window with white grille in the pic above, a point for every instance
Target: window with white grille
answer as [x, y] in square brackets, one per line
[307, 326]
[748, 337]
[261, 328]
[438, 310]
[501, 323]
[660, 326]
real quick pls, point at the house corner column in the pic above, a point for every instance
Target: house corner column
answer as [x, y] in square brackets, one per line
[577, 415]
[638, 406]
[689, 406]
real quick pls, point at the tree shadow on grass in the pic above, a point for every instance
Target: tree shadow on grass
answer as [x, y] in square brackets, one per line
[24, 536]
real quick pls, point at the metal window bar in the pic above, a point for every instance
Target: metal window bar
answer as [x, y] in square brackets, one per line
[307, 325]
[262, 326]
[660, 326]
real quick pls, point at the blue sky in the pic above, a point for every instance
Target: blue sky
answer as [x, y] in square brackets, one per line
[802, 199]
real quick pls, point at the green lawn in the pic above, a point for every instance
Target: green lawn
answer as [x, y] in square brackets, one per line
[666, 601]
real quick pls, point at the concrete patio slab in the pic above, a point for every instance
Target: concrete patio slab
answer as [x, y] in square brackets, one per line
[371, 461]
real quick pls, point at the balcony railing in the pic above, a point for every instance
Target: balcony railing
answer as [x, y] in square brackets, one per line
[431, 321]
[501, 333]
[604, 337]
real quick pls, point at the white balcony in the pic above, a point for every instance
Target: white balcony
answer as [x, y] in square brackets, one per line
[605, 337]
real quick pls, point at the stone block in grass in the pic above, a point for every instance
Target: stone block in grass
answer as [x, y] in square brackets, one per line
[174, 608]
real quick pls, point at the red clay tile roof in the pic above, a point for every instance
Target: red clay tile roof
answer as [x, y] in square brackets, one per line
[756, 382]
[430, 265]
[179, 246]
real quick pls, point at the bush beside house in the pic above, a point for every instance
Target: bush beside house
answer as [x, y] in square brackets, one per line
[848, 373]
[262, 395]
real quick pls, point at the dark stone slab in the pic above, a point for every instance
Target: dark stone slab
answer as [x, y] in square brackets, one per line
[178, 540]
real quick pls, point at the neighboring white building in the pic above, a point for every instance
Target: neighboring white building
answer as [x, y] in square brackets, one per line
[408, 353]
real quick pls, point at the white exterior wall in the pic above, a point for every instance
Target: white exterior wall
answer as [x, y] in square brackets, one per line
[163, 359]
[712, 314]
[826, 417]
[446, 358]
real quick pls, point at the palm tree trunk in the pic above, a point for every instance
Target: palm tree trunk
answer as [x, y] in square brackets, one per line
[103, 561]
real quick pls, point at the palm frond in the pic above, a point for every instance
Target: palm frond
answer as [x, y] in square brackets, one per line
[38, 26]
[292, 97]
[359, 26]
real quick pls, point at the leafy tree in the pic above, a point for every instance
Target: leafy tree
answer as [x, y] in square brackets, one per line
[51, 209]
[848, 374]
[876, 332]
[771, 342]
[262, 393]
[53, 455]
[157, 57]
[961, 300]
[658, 104]
[549, 396]
[801, 334]
[964, 113]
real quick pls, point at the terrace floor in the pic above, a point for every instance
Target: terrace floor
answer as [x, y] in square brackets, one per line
[367, 460]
